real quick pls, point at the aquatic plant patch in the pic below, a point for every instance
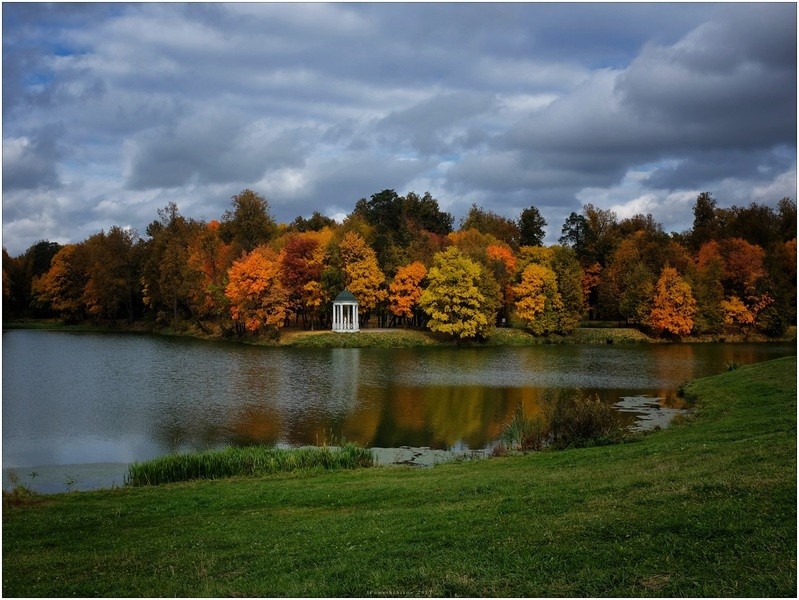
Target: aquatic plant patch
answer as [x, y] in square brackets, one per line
[249, 461]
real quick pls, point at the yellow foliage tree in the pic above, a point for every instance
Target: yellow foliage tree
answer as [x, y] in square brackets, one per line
[736, 312]
[362, 274]
[674, 305]
[453, 299]
[405, 290]
[539, 301]
[258, 300]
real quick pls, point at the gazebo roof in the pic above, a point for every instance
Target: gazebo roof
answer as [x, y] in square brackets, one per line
[345, 296]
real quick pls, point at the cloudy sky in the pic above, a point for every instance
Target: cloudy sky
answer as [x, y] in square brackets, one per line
[110, 111]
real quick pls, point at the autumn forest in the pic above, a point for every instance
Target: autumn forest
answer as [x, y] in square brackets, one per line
[247, 276]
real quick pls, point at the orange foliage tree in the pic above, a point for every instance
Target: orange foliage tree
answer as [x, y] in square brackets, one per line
[674, 305]
[62, 287]
[258, 300]
[302, 261]
[590, 280]
[743, 265]
[406, 289]
[209, 259]
[502, 263]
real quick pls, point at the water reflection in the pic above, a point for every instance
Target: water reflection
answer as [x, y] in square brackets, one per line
[87, 398]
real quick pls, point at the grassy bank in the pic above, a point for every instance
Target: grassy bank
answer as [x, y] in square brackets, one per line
[704, 508]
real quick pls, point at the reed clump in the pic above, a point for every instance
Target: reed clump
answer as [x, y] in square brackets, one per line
[525, 432]
[568, 419]
[248, 461]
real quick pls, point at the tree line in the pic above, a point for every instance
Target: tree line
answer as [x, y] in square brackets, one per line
[247, 275]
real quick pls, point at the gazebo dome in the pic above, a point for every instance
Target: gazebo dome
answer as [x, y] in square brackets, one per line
[345, 296]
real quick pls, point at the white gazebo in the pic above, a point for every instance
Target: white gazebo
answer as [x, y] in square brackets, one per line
[345, 312]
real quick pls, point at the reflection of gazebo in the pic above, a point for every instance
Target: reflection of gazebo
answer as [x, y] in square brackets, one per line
[345, 312]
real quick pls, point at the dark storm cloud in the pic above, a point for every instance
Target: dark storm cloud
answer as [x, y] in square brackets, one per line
[725, 84]
[317, 105]
[698, 169]
[211, 146]
[438, 125]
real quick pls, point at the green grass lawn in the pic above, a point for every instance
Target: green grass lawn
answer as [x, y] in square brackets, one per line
[704, 508]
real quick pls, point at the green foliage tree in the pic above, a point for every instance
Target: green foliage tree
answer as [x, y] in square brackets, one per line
[316, 222]
[248, 224]
[531, 227]
[112, 285]
[708, 291]
[426, 215]
[627, 285]
[490, 223]
[20, 272]
[569, 277]
[706, 221]
[786, 216]
[164, 278]
[593, 235]
[576, 234]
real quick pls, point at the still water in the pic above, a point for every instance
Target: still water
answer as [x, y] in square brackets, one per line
[92, 403]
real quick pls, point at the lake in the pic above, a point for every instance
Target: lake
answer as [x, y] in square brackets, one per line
[79, 407]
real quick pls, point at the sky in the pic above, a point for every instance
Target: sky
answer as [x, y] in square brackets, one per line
[111, 111]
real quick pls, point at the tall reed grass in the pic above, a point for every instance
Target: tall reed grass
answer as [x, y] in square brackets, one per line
[524, 432]
[249, 461]
[567, 419]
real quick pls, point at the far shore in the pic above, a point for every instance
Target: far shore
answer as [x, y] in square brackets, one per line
[590, 332]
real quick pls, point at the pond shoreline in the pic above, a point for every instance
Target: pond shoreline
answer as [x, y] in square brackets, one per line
[592, 333]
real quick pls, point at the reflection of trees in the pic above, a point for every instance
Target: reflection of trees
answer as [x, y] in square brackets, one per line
[529, 399]
[200, 423]
[456, 413]
[670, 399]
[171, 435]
[176, 432]
[443, 416]
[254, 424]
[675, 363]
[361, 424]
